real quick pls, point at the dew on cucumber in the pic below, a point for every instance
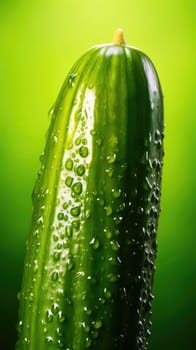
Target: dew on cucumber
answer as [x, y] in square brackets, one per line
[54, 276]
[116, 193]
[115, 245]
[60, 343]
[69, 164]
[80, 170]
[109, 172]
[77, 188]
[61, 317]
[75, 211]
[49, 316]
[99, 141]
[98, 324]
[83, 151]
[49, 340]
[87, 311]
[108, 210]
[88, 343]
[94, 243]
[69, 181]
[111, 158]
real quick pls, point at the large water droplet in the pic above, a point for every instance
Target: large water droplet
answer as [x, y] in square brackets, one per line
[111, 158]
[77, 188]
[55, 276]
[60, 216]
[55, 308]
[75, 211]
[116, 193]
[108, 210]
[68, 181]
[68, 231]
[87, 310]
[98, 324]
[69, 164]
[49, 340]
[88, 342]
[94, 243]
[80, 169]
[83, 151]
[61, 317]
[49, 316]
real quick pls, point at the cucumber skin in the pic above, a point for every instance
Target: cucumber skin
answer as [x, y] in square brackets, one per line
[90, 255]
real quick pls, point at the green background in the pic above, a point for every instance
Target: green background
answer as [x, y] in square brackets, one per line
[39, 42]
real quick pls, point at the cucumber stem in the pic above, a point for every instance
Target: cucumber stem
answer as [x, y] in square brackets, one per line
[119, 37]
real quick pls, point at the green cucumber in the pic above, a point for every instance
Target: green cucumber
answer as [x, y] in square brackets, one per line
[90, 255]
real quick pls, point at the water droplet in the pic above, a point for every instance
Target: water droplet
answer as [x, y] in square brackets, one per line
[108, 233]
[115, 246]
[98, 324]
[19, 326]
[61, 317]
[68, 181]
[55, 308]
[99, 141]
[83, 151]
[71, 79]
[60, 216]
[107, 293]
[60, 343]
[59, 245]
[26, 340]
[49, 316]
[112, 278]
[92, 132]
[116, 193]
[31, 296]
[55, 138]
[85, 327]
[109, 172]
[40, 220]
[77, 188]
[55, 276]
[87, 214]
[69, 231]
[80, 169]
[76, 224]
[69, 264]
[111, 158]
[65, 205]
[55, 237]
[108, 210]
[49, 340]
[87, 310]
[78, 141]
[88, 342]
[56, 255]
[35, 265]
[69, 164]
[94, 243]
[59, 332]
[75, 211]
[94, 334]
[83, 295]
[84, 141]
[157, 134]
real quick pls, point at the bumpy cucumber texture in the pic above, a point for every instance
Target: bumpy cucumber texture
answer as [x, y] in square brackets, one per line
[90, 254]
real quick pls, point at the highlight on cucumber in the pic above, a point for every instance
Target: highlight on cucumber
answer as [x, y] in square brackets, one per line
[90, 254]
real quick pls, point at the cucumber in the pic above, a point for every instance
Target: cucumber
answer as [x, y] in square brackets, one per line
[90, 254]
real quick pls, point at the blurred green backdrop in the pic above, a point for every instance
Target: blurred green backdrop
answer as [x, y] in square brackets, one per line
[39, 42]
